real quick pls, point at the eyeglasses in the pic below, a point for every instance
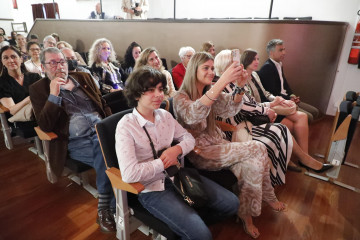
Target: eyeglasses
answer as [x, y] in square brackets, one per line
[34, 49]
[188, 56]
[51, 43]
[54, 63]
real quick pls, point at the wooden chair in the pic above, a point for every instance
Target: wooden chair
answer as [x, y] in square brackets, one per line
[75, 170]
[24, 130]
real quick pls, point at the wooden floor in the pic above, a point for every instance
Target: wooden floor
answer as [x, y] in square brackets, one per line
[33, 208]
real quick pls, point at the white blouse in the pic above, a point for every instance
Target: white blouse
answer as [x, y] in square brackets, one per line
[136, 160]
[32, 67]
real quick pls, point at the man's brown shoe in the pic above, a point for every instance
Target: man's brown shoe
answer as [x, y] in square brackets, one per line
[106, 220]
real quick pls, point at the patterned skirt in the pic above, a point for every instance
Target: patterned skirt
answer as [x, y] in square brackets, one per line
[278, 141]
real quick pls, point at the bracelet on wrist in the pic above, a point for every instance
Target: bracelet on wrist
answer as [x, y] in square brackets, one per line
[212, 99]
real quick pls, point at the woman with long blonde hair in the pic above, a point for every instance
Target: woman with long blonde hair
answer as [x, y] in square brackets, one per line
[195, 106]
[151, 57]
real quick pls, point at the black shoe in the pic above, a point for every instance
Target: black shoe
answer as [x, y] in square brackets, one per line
[106, 220]
[324, 167]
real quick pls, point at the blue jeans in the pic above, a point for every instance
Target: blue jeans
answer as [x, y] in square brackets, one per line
[169, 207]
[89, 152]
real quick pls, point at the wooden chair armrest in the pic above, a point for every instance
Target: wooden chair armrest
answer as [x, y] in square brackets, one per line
[3, 109]
[117, 182]
[225, 126]
[46, 136]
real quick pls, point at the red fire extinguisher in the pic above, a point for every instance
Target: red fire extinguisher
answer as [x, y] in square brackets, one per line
[355, 48]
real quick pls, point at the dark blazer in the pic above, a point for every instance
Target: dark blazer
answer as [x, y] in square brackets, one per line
[270, 79]
[93, 15]
[53, 118]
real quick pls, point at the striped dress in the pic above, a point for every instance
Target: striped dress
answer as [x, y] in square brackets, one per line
[275, 136]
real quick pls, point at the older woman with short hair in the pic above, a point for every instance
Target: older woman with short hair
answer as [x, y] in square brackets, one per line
[150, 57]
[178, 72]
[105, 67]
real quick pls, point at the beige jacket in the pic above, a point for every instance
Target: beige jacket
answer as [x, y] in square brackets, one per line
[144, 4]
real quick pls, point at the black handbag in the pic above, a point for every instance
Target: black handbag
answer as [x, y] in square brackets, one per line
[257, 120]
[187, 181]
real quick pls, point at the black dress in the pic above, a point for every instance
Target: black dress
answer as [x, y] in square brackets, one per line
[10, 88]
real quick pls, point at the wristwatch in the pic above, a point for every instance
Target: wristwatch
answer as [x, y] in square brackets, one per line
[238, 90]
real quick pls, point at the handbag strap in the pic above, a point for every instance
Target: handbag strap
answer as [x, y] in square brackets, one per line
[151, 144]
[185, 197]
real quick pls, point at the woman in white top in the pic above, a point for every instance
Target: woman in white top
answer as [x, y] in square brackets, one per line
[151, 57]
[34, 64]
[145, 91]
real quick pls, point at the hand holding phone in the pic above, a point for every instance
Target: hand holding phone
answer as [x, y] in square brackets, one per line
[235, 54]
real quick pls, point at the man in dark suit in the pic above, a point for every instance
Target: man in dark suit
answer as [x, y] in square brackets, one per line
[97, 14]
[70, 105]
[274, 81]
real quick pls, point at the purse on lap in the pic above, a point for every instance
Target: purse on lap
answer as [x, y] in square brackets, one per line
[243, 132]
[187, 181]
[25, 114]
[284, 109]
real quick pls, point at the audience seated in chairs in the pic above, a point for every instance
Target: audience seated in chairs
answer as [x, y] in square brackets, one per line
[297, 121]
[34, 64]
[145, 91]
[195, 107]
[70, 105]
[279, 147]
[150, 57]
[178, 72]
[104, 66]
[276, 137]
[132, 53]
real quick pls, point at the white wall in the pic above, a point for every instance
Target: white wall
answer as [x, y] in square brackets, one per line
[6, 13]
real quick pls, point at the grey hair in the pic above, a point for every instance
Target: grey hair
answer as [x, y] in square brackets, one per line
[66, 48]
[272, 45]
[184, 50]
[222, 61]
[49, 50]
[47, 37]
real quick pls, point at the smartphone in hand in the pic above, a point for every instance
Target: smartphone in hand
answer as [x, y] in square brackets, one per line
[235, 54]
